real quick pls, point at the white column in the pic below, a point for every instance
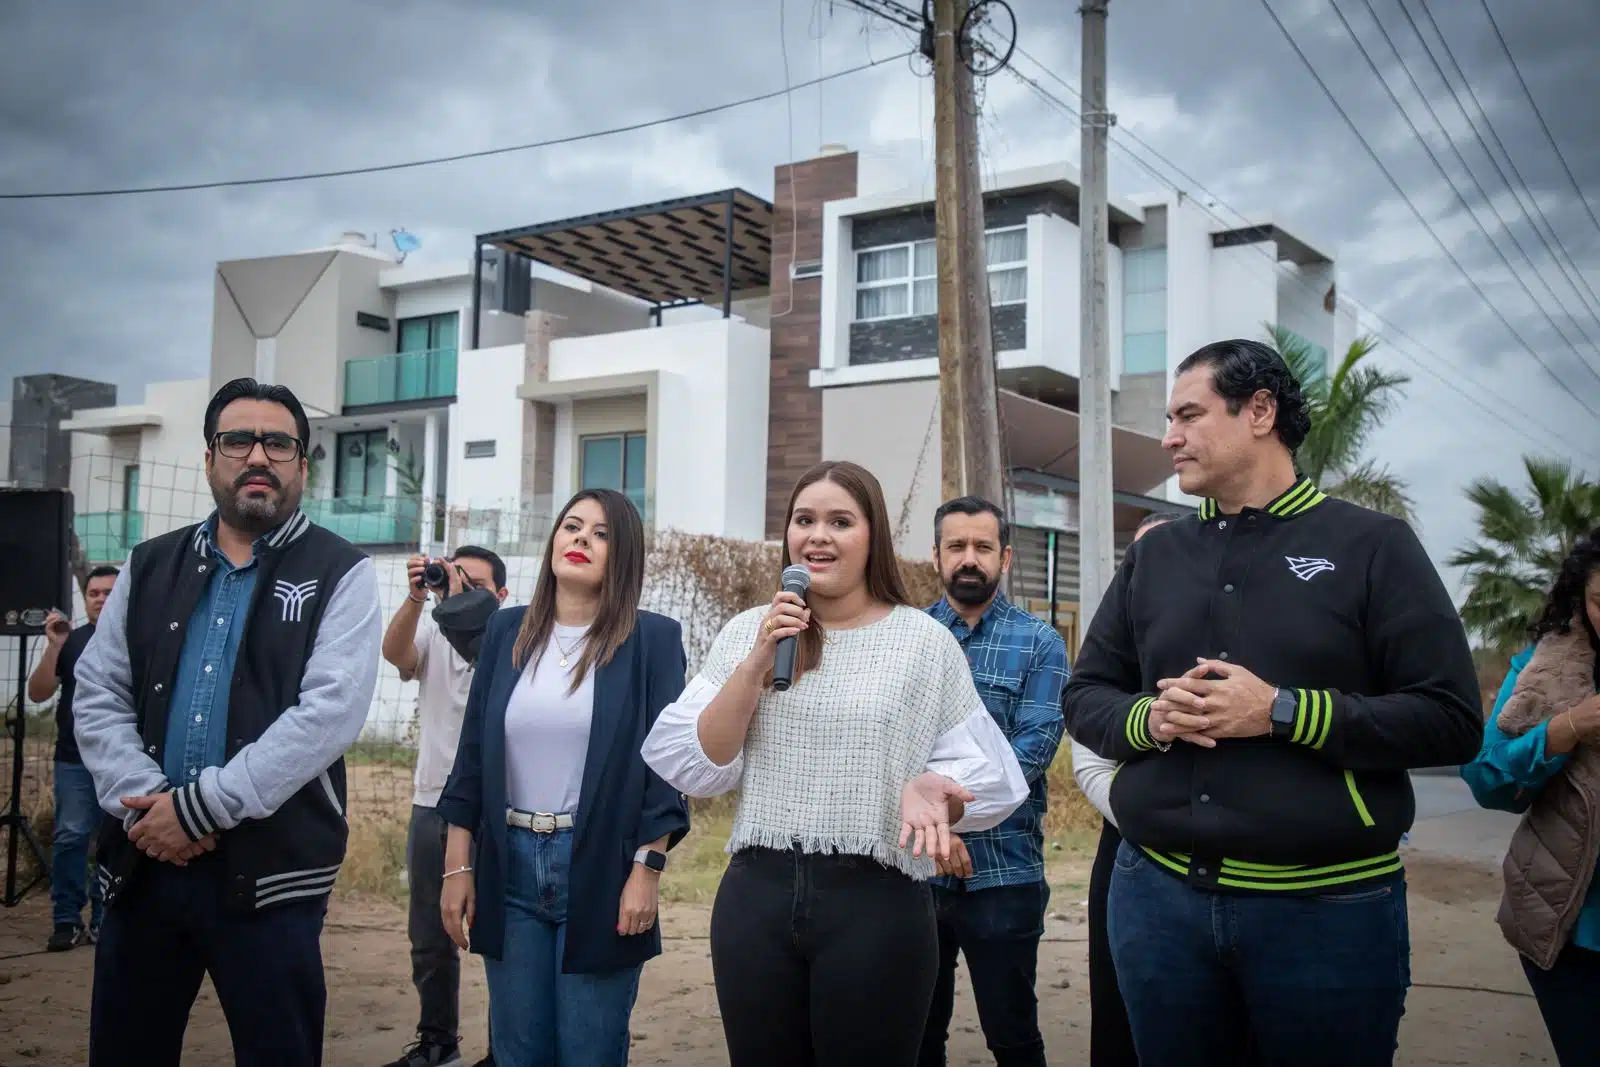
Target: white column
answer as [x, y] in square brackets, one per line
[430, 452]
[267, 360]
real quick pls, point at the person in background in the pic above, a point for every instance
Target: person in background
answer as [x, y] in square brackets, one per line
[991, 895]
[418, 649]
[824, 944]
[571, 828]
[1541, 758]
[1267, 675]
[233, 665]
[77, 812]
[1110, 1039]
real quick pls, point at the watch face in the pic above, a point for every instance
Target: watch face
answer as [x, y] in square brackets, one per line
[655, 861]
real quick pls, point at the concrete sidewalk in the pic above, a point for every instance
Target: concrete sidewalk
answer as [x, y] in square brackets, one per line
[1450, 825]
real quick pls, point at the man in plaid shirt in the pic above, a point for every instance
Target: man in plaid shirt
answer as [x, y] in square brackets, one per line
[991, 896]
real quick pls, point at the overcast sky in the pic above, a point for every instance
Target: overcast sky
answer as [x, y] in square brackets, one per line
[112, 94]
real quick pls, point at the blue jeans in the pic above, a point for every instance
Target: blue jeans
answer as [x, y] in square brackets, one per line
[1320, 981]
[540, 1016]
[998, 930]
[77, 816]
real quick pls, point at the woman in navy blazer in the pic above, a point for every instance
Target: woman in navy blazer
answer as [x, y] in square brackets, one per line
[569, 828]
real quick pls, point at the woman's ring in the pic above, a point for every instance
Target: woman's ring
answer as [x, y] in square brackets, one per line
[770, 624]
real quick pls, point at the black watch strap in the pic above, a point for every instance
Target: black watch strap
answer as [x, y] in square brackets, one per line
[1285, 707]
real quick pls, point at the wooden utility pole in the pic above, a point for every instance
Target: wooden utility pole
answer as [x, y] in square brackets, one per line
[1096, 551]
[969, 423]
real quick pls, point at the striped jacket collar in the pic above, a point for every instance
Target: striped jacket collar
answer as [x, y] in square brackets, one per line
[290, 530]
[1298, 499]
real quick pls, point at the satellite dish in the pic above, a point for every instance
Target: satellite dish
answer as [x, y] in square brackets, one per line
[404, 242]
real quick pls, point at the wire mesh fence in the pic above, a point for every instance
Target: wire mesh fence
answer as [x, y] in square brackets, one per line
[700, 581]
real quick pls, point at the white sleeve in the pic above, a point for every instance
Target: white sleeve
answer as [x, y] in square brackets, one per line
[672, 748]
[976, 755]
[1094, 774]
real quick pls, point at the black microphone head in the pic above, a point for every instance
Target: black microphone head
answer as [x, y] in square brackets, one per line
[796, 579]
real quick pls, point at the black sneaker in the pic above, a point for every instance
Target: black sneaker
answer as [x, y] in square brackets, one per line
[92, 935]
[487, 1061]
[429, 1053]
[64, 936]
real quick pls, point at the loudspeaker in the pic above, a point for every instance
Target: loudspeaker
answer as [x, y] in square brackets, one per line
[35, 558]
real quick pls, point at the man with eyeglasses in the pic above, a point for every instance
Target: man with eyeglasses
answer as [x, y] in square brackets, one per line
[233, 665]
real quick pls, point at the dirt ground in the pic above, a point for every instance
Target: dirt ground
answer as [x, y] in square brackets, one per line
[1470, 1004]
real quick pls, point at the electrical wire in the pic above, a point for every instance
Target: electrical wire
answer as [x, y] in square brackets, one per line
[1520, 188]
[1545, 126]
[552, 142]
[1417, 213]
[1472, 214]
[1447, 379]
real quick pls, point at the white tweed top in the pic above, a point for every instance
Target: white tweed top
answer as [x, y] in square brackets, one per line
[824, 763]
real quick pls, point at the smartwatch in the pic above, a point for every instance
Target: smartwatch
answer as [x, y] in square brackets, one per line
[656, 861]
[1285, 707]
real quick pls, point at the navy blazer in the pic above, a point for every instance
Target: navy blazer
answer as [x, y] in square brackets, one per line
[622, 804]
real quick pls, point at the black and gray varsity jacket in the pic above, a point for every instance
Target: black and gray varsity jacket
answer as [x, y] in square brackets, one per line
[301, 688]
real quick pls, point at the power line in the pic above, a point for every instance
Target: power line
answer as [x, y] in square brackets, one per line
[436, 160]
[1520, 189]
[1449, 379]
[1417, 213]
[1538, 114]
[1372, 65]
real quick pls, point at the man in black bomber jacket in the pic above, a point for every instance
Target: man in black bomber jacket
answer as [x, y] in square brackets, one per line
[233, 664]
[1268, 671]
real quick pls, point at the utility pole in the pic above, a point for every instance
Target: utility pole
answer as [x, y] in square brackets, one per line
[969, 423]
[1096, 550]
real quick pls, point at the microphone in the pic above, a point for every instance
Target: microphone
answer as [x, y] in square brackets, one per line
[797, 580]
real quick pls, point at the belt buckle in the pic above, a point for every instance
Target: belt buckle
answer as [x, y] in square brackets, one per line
[541, 822]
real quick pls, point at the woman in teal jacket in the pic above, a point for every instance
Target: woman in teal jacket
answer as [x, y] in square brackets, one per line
[1511, 774]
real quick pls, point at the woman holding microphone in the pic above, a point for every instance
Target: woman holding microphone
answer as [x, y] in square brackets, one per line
[823, 939]
[571, 829]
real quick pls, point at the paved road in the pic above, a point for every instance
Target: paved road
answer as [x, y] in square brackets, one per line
[1450, 823]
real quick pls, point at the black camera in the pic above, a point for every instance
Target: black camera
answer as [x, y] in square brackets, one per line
[434, 575]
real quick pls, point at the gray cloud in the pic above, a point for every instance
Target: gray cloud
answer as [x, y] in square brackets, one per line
[106, 94]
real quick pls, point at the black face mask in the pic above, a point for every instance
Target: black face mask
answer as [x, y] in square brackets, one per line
[462, 619]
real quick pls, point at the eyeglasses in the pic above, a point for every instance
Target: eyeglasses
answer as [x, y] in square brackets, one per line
[238, 444]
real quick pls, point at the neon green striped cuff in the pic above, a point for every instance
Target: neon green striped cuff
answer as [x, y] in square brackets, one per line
[1138, 727]
[1313, 717]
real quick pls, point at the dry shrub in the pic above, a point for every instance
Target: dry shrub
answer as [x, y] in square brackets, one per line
[703, 581]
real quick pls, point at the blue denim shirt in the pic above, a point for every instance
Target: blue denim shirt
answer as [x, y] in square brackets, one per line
[197, 719]
[1019, 664]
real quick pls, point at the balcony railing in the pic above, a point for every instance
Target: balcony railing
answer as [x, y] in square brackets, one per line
[368, 520]
[426, 375]
[108, 536]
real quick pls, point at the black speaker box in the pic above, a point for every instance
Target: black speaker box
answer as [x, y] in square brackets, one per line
[35, 558]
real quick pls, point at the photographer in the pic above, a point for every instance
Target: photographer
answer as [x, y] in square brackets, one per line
[420, 650]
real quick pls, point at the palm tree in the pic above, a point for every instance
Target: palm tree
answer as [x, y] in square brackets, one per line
[1522, 541]
[1345, 410]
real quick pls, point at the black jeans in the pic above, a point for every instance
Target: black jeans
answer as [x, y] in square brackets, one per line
[166, 933]
[1110, 1038]
[998, 930]
[1568, 995]
[822, 960]
[435, 962]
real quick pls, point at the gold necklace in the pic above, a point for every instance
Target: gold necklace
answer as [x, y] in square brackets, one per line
[564, 652]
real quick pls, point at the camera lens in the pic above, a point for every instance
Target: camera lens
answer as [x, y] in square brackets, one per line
[434, 576]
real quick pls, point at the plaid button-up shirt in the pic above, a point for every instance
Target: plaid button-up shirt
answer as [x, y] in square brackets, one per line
[1019, 664]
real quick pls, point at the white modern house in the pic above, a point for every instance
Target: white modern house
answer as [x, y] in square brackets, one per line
[698, 354]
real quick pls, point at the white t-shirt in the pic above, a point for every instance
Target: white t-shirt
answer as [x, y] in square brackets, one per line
[445, 679]
[547, 729]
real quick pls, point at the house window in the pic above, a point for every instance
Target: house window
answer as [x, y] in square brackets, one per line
[1144, 311]
[896, 281]
[130, 487]
[429, 333]
[361, 465]
[615, 461]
